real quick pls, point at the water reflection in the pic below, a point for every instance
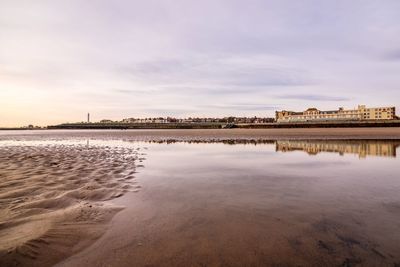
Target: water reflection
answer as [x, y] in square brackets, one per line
[363, 148]
[243, 203]
[211, 202]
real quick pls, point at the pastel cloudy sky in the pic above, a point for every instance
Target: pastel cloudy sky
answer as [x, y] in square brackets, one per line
[116, 59]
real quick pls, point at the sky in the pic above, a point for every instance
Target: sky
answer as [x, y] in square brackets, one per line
[60, 59]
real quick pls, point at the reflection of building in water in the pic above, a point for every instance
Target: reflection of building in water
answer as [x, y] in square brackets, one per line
[363, 148]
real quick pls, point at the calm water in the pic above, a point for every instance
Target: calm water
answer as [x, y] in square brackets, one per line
[241, 203]
[283, 203]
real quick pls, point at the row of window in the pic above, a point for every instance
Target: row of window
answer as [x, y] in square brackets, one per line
[325, 116]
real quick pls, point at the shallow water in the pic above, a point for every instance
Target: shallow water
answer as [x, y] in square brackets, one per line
[290, 203]
[255, 203]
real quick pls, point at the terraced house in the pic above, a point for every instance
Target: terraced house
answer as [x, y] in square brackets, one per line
[361, 113]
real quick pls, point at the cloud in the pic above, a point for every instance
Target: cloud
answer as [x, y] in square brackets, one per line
[240, 71]
[393, 55]
[241, 107]
[216, 91]
[133, 91]
[311, 97]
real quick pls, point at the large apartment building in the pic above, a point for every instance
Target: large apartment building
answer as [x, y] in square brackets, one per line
[361, 113]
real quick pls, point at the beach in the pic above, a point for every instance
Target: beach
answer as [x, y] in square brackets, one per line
[53, 198]
[199, 133]
[209, 134]
[200, 197]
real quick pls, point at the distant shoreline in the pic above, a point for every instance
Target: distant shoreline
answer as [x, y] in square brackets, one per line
[318, 124]
[274, 125]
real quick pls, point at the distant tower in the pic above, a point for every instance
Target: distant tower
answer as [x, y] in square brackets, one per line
[88, 118]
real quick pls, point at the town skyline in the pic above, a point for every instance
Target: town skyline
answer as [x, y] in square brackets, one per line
[225, 118]
[361, 113]
[59, 60]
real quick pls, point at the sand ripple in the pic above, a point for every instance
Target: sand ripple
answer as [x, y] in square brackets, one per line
[51, 198]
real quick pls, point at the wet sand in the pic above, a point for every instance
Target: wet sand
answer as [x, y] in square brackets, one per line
[209, 135]
[52, 199]
[200, 203]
